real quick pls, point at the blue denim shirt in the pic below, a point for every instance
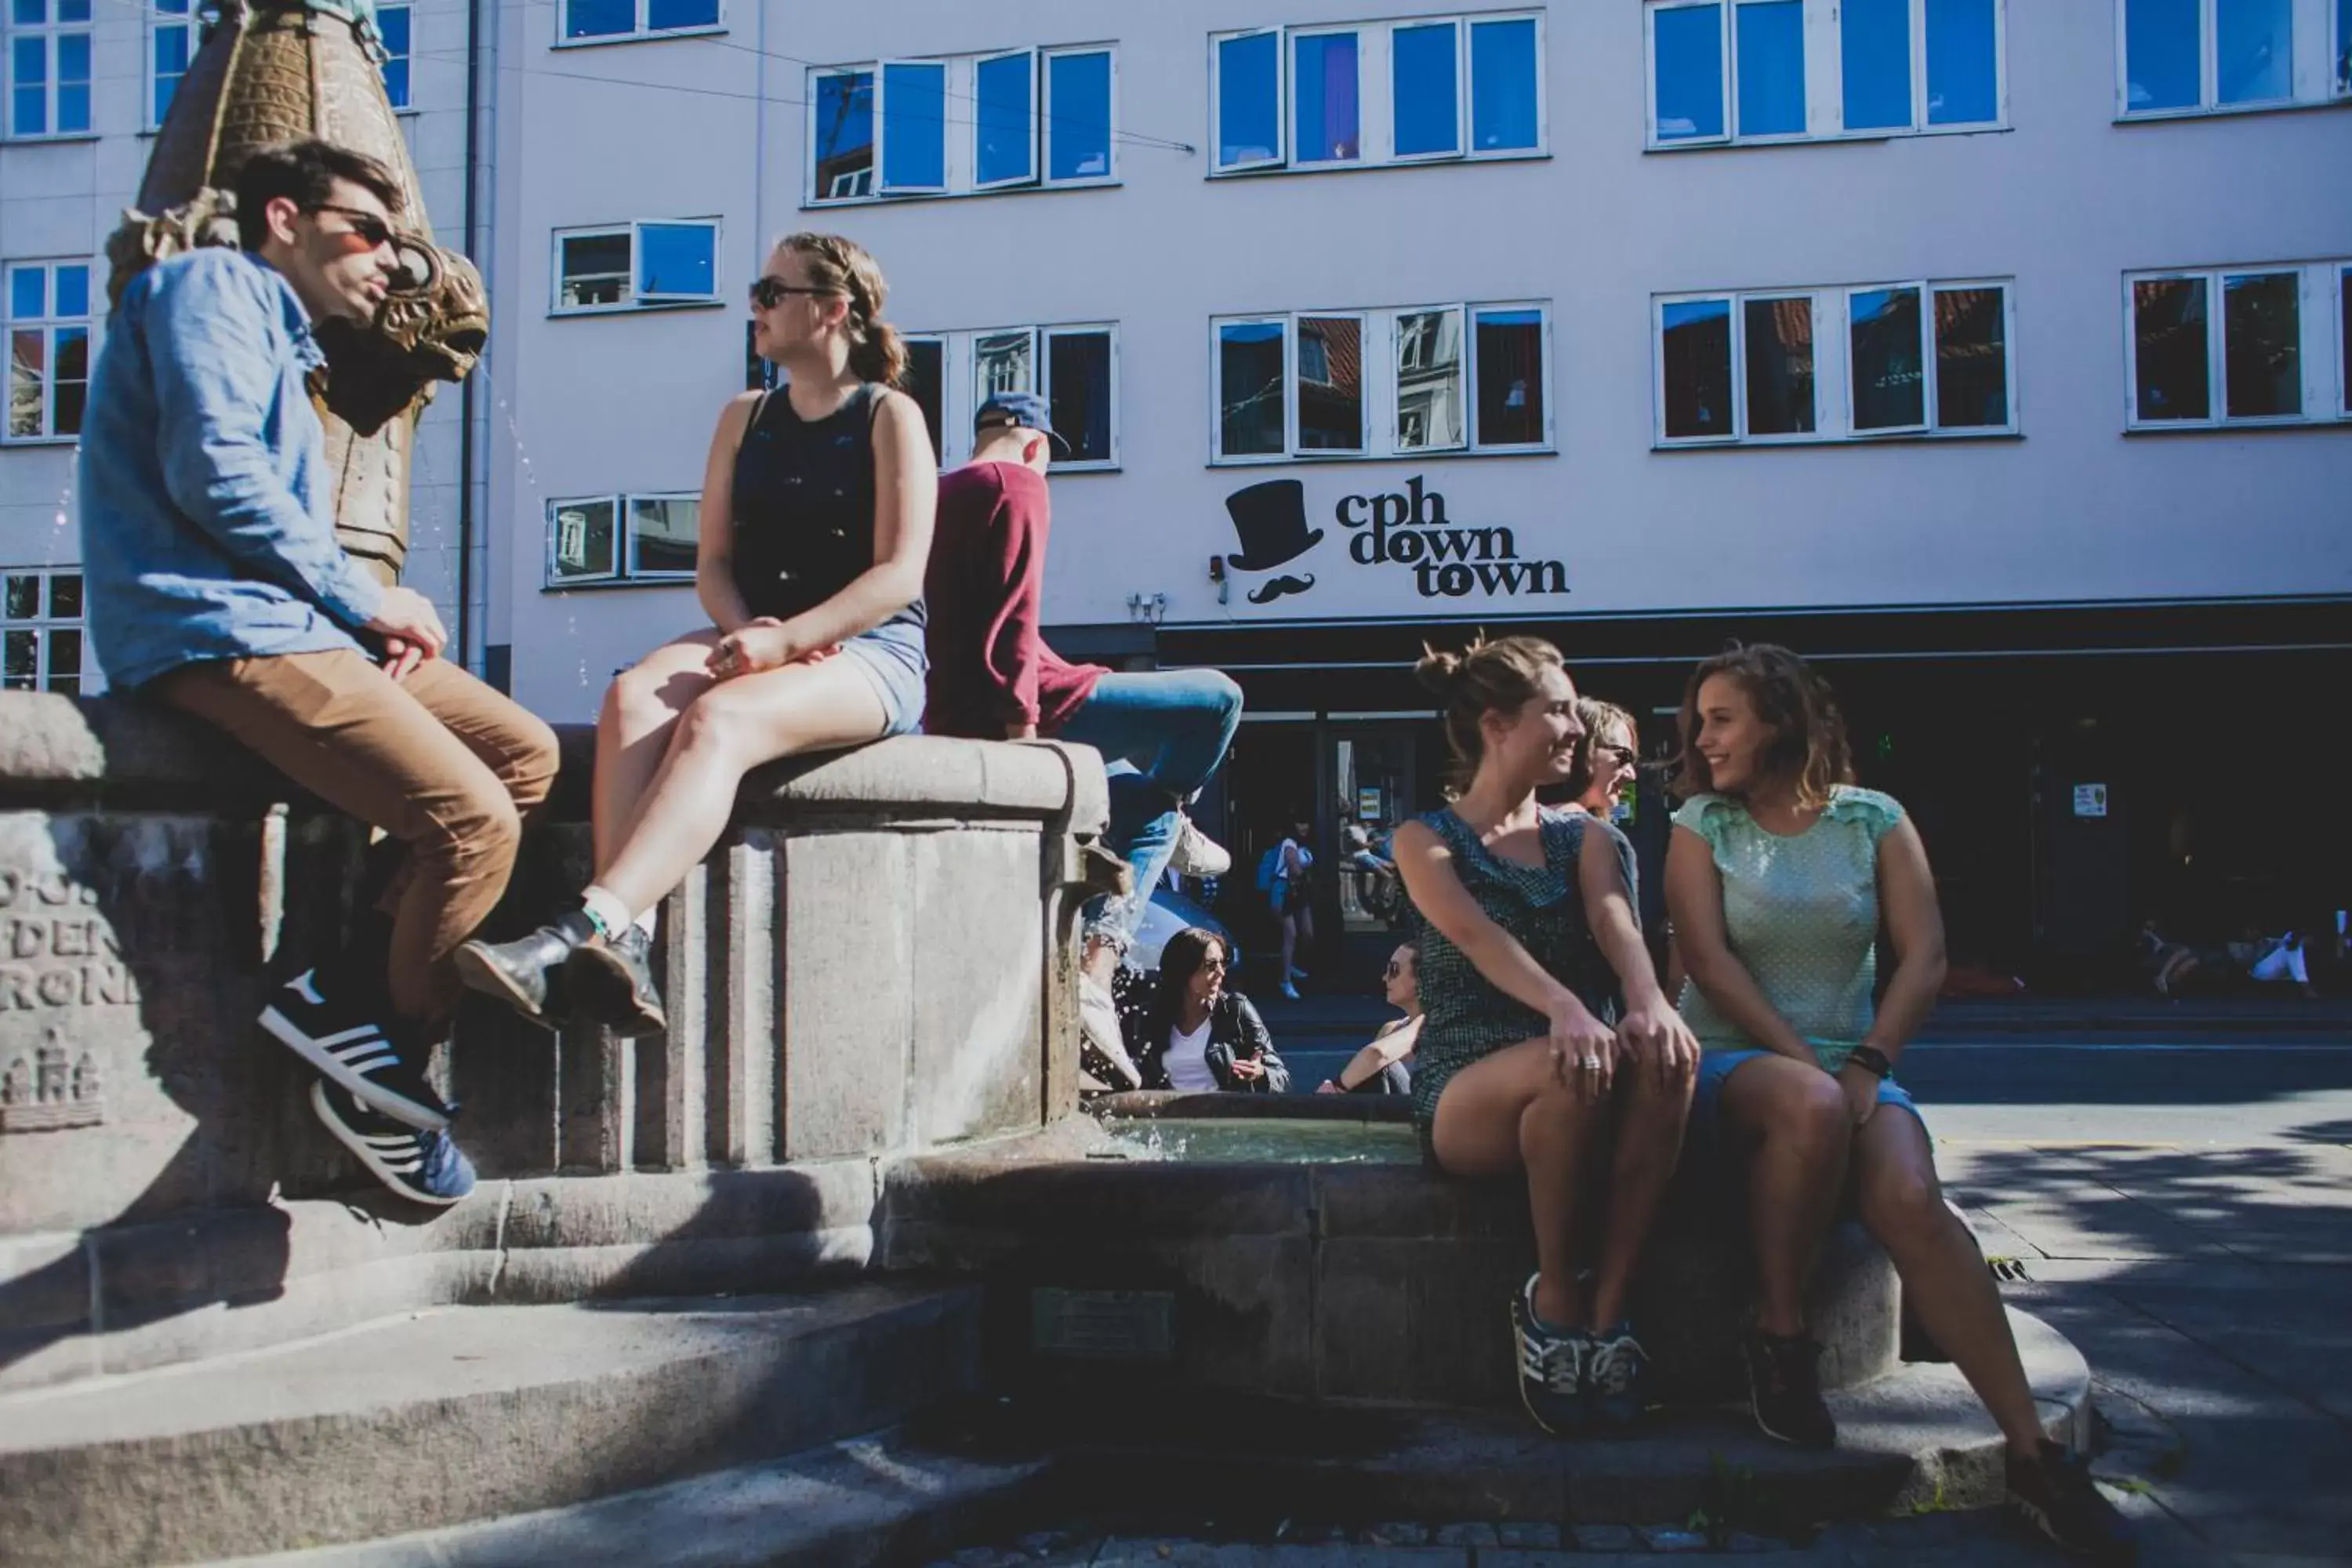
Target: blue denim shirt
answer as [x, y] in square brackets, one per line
[206, 531]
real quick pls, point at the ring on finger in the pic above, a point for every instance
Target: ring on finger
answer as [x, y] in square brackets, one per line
[1592, 1064]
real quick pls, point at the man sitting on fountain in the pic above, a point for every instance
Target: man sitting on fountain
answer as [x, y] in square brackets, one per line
[1528, 942]
[1161, 733]
[216, 585]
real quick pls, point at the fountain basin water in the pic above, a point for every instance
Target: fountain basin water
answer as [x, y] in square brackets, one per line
[1297, 1247]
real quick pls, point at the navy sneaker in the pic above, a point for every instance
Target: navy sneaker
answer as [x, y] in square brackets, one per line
[359, 1048]
[423, 1167]
[1784, 1390]
[1612, 1371]
[1552, 1366]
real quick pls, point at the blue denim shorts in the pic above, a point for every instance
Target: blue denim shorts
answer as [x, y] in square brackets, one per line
[1714, 1067]
[892, 657]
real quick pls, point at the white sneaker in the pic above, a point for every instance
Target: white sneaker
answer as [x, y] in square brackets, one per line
[1196, 854]
[1099, 1022]
[1289, 992]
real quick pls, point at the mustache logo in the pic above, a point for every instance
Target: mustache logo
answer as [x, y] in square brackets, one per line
[1274, 588]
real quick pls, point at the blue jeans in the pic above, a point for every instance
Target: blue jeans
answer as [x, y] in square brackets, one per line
[1160, 735]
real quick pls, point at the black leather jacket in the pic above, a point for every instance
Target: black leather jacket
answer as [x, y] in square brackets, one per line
[1234, 1030]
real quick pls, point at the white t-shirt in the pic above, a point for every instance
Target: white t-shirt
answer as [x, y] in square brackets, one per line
[1187, 1062]
[1289, 848]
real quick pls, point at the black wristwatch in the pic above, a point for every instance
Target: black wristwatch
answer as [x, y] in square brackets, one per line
[1871, 1060]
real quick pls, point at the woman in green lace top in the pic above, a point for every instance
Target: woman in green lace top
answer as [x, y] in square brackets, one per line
[1544, 1040]
[1780, 873]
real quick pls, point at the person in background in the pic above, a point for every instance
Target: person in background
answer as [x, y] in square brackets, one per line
[1161, 733]
[1548, 1052]
[1608, 760]
[1187, 1032]
[1385, 1066]
[1290, 895]
[1779, 873]
[816, 522]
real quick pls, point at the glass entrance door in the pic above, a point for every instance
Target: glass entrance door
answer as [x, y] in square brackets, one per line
[1371, 774]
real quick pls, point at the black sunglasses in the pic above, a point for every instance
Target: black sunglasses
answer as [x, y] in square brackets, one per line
[364, 224]
[771, 291]
[1627, 756]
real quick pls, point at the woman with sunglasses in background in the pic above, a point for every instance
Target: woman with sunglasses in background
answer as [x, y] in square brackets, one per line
[1187, 1032]
[815, 527]
[1607, 763]
[1385, 1066]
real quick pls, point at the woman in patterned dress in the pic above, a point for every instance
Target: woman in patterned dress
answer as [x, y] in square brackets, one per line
[1777, 877]
[1545, 1036]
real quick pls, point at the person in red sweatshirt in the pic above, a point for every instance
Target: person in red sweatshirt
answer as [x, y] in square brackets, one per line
[1161, 733]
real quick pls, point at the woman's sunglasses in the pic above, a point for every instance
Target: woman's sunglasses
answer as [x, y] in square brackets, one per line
[771, 291]
[1392, 971]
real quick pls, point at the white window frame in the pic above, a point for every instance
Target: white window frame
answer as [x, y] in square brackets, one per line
[49, 32]
[193, 20]
[1824, 80]
[42, 621]
[1280, 156]
[1046, 59]
[1288, 93]
[2319, 303]
[406, 57]
[2312, 73]
[1036, 173]
[631, 298]
[623, 543]
[1833, 392]
[882, 69]
[642, 31]
[1459, 151]
[48, 325]
[960, 389]
[1380, 356]
[1376, 95]
[960, 135]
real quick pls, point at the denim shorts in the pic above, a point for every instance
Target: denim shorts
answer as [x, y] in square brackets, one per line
[1716, 1066]
[891, 656]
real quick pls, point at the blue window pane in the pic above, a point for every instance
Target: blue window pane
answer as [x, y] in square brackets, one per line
[73, 291]
[1890, 388]
[392, 21]
[914, 127]
[1963, 63]
[1773, 68]
[676, 258]
[844, 135]
[1324, 115]
[395, 83]
[1249, 390]
[30, 13]
[29, 294]
[2160, 55]
[1689, 48]
[2255, 50]
[665, 14]
[73, 107]
[73, 10]
[170, 64]
[1005, 147]
[1249, 100]
[1696, 363]
[1077, 138]
[1876, 53]
[1428, 102]
[2343, 62]
[1503, 68]
[29, 113]
[599, 19]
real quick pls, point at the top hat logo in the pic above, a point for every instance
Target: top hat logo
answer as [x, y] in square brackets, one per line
[1271, 520]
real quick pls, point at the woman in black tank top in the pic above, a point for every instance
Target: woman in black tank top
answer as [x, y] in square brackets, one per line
[815, 527]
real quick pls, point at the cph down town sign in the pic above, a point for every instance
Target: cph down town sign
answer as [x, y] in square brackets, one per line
[1407, 529]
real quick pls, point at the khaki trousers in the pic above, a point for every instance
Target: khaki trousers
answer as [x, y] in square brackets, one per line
[440, 762]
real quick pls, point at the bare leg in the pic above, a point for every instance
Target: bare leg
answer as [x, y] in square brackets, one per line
[1945, 1279]
[725, 733]
[1508, 1113]
[1289, 943]
[1794, 1118]
[640, 708]
[1649, 1120]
